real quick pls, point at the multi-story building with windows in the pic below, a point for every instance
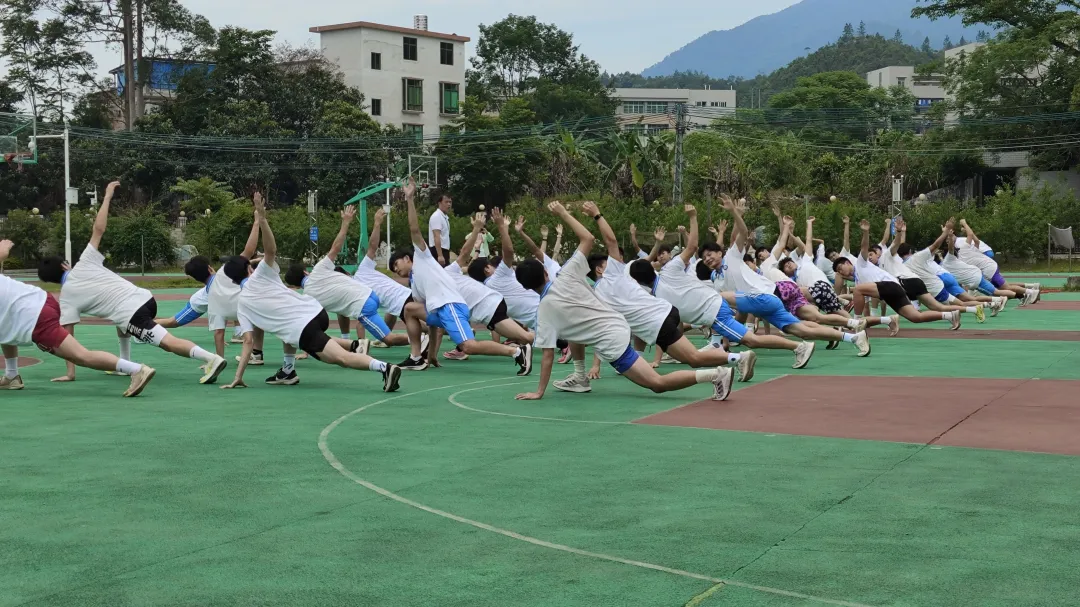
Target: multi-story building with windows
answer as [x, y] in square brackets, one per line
[653, 110]
[411, 77]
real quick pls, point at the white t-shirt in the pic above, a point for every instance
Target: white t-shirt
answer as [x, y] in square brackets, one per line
[644, 313]
[336, 292]
[745, 280]
[200, 300]
[553, 268]
[983, 247]
[866, 272]
[266, 302]
[391, 294]
[697, 303]
[569, 309]
[20, 306]
[972, 256]
[430, 283]
[894, 265]
[809, 273]
[922, 264]
[223, 295]
[822, 262]
[966, 274]
[439, 221]
[93, 290]
[481, 300]
[521, 303]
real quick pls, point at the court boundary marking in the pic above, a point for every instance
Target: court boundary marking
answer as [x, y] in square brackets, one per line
[329, 456]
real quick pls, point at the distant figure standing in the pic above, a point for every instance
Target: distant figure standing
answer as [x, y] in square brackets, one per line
[439, 228]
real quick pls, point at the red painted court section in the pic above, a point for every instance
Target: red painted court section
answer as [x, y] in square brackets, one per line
[1008, 414]
[1044, 306]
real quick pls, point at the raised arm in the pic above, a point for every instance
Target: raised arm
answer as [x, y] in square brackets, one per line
[253, 238]
[558, 242]
[102, 220]
[808, 246]
[347, 217]
[901, 236]
[269, 244]
[719, 231]
[519, 227]
[740, 231]
[786, 223]
[5, 249]
[691, 237]
[414, 224]
[864, 248]
[503, 224]
[544, 231]
[888, 232]
[847, 233]
[470, 242]
[633, 241]
[376, 232]
[610, 241]
[945, 230]
[585, 237]
[658, 238]
[971, 236]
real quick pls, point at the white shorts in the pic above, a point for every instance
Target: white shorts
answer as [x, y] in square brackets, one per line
[218, 323]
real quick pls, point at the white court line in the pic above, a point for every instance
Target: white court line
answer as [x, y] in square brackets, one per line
[340, 467]
[454, 401]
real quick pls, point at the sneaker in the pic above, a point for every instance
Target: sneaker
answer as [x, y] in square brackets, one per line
[1038, 296]
[997, 304]
[524, 360]
[391, 377]
[564, 356]
[360, 346]
[955, 321]
[117, 373]
[140, 379]
[894, 325]
[980, 314]
[707, 347]
[11, 383]
[862, 343]
[803, 354]
[213, 369]
[256, 360]
[455, 355]
[413, 365]
[424, 342]
[236, 340]
[281, 378]
[860, 327]
[745, 366]
[379, 344]
[573, 383]
[832, 345]
[666, 359]
[722, 383]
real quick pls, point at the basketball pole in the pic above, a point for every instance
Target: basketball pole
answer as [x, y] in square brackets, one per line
[71, 197]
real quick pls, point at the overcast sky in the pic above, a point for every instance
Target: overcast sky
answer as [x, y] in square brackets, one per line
[622, 35]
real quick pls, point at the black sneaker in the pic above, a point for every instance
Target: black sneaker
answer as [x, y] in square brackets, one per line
[413, 365]
[524, 360]
[390, 378]
[283, 379]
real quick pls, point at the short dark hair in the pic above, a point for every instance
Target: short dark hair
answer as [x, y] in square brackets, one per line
[784, 262]
[397, 256]
[437, 194]
[236, 268]
[530, 273]
[198, 267]
[905, 250]
[704, 272]
[664, 248]
[594, 262]
[712, 246]
[294, 276]
[341, 270]
[495, 260]
[758, 250]
[839, 262]
[643, 272]
[478, 269]
[876, 247]
[748, 258]
[51, 269]
[830, 252]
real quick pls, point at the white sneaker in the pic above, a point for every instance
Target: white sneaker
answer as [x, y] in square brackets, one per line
[803, 352]
[859, 327]
[894, 325]
[140, 379]
[862, 343]
[379, 344]
[708, 346]
[213, 369]
[256, 360]
[666, 359]
[574, 383]
[745, 366]
[955, 321]
[424, 341]
[722, 383]
[361, 346]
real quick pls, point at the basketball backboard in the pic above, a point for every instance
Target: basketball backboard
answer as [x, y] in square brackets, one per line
[18, 138]
[425, 169]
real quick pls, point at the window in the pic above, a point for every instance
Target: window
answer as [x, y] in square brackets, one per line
[376, 107]
[714, 104]
[376, 61]
[409, 48]
[446, 53]
[635, 128]
[700, 104]
[655, 107]
[633, 107]
[412, 95]
[653, 129]
[901, 81]
[879, 80]
[416, 130]
[449, 98]
[723, 104]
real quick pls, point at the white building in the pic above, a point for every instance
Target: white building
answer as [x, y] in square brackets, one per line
[928, 90]
[653, 110]
[410, 77]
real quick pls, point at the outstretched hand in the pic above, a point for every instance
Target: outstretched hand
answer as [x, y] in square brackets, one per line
[691, 210]
[544, 231]
[558, 229]
[410, 188]
[497, 216]
[788, 221]
[846, 220]
[349, 213]
[236, 383]
[555, 207]
[478, 221]
[864, 225]
[659, 233]
[520, 223]
[590, 209]
[380, 214]
[5, 247]
[109, 189]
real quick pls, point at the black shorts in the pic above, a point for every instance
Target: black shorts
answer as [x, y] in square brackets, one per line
[825, 298]
[499, 316]
[893, 295]
[914, 287]
[313, 338]
[670, 331]
[142, 322]
[445, 257]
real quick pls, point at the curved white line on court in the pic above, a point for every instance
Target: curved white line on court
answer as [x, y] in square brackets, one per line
[340, 467]
[454, 401]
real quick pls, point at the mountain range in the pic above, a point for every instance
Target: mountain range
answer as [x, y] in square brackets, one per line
[768, 42]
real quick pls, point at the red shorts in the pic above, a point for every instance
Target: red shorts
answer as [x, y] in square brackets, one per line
[48, 333]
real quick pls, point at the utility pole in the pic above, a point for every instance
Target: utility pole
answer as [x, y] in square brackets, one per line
[680, 159]
[313, 221]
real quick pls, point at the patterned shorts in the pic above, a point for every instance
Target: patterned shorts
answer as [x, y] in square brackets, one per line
[791, 295]
[825, 297]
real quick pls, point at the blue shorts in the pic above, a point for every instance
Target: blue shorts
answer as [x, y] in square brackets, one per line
[186, 315]
[627, 360]
[951, 285]
[986, 287]
[454, 319]
[989, 254]
[767, 307]
[726, 325]
[371, 320]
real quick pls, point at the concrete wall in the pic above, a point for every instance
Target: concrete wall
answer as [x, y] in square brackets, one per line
[1062, 181]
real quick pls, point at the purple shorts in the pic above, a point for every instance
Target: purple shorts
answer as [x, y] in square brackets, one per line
[998, 280]
[791, 295]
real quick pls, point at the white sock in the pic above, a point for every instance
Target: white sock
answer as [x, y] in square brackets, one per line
[288, 363]
[848, 337]
[11, 367]
[126, 366]
[733, 358]
[972, 310]
[346, 336]
[377, 366]
[706, 376]
[716, 341]
[201, 354]
[579, 367]
[1029, 292]
[852, 323]
[517, 352]
[947, 315]
[125, 347]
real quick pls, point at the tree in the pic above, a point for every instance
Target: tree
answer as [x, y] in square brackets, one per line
[1056, 21]
[947, 43]
[849, 33]
[898, 36]
[982, 36]
[10, 97]
[926, 48]
[862, 29]
[963, 41]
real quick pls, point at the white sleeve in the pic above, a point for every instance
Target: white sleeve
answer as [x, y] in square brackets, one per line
[545, 336]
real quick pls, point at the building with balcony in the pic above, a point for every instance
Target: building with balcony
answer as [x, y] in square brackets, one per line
[653, 110]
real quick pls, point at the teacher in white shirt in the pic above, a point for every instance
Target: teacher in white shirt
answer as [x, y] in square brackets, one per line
[439, 228]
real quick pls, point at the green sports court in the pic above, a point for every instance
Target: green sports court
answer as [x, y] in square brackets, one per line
[938, 471]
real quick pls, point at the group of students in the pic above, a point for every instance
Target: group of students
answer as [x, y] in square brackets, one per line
[612, 303]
